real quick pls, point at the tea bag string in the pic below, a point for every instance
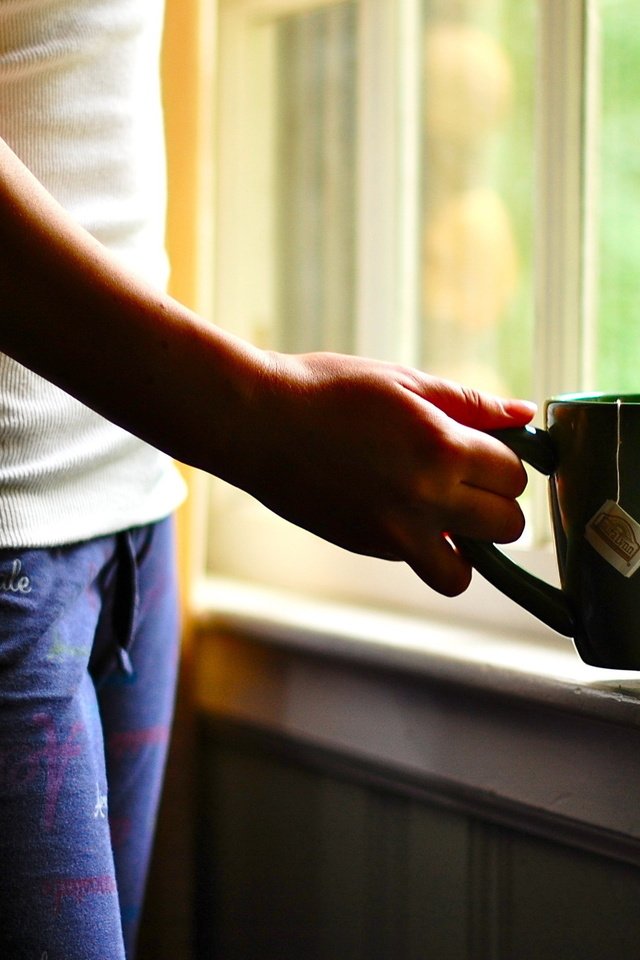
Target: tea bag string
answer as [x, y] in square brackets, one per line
[618, 445]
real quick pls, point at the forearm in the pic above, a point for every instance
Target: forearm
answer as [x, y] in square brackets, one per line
[72, 314]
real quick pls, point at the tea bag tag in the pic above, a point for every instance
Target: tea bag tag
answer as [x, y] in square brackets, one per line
[616, 537]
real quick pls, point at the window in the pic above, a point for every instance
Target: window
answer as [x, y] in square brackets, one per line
[447, 183]
[616, 276]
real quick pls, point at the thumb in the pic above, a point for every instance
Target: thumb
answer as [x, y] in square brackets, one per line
[477, 409]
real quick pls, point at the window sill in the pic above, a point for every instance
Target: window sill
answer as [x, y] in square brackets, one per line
[544, 668]
[516, 732]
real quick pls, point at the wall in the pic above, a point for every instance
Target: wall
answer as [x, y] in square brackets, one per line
[303, 857]
[351, 810]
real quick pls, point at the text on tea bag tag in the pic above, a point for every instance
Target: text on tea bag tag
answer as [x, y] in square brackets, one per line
[612, 532]
[616, 537]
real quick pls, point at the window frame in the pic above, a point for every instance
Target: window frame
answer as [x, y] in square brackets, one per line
[564, 299]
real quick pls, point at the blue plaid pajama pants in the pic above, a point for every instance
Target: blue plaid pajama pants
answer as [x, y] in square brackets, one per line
[88, 656]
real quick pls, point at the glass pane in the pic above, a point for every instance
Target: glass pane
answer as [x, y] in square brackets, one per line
[311, 73]
[617, 357]
[477, 193]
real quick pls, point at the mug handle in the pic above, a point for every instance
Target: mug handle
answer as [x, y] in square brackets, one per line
[544, 601]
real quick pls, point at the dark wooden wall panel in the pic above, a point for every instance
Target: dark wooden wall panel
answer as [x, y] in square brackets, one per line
[300, 861]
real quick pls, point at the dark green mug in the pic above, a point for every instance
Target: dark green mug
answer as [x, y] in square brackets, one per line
[591, 452]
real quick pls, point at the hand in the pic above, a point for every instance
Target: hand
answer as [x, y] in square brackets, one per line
[384, 460]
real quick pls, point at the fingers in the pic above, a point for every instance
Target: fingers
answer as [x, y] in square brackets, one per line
[420, 540]
[470, 483]
[449, 454]
[489, 464]
[485, 516]
[474, 408]
[481, 497]
[432, 555]
[441, 567]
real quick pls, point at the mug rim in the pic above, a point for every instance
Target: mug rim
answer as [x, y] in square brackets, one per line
[595, 397]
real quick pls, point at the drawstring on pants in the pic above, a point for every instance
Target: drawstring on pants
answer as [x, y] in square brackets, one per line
[127, 599]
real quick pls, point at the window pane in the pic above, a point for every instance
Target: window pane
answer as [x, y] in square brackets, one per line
[314, 140]
[477, 192]
[617, 358]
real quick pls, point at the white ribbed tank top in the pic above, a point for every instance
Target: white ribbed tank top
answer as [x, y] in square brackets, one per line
[80, 105]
